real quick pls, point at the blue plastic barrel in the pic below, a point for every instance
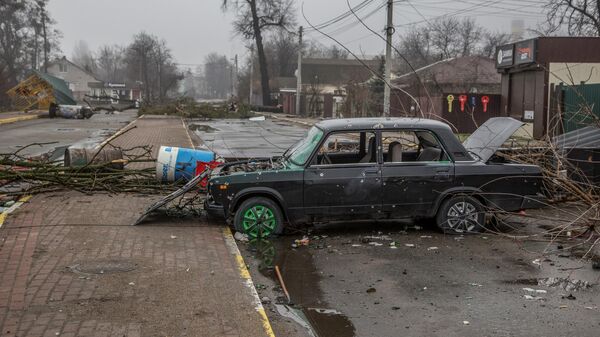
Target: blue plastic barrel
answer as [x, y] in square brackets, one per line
[175, 163]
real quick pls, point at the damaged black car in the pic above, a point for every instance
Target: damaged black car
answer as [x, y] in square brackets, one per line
[377, 169]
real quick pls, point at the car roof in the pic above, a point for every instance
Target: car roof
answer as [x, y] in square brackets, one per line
[379, 123]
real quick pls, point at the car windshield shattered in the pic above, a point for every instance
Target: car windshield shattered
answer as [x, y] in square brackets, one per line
[299, 153]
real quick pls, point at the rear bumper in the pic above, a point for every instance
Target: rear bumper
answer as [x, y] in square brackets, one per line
[533, 201]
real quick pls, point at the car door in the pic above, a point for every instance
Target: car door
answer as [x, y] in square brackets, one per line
[343, 180]
[415, 175]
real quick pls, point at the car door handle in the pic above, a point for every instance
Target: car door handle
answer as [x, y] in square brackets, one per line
[371, 171]
[442, 174]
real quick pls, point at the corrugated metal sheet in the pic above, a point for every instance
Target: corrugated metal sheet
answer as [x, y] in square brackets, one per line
[579, 101]
[584, 138]
[62, 93]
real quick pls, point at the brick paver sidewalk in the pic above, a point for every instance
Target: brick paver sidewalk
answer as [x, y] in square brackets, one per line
[71, 265]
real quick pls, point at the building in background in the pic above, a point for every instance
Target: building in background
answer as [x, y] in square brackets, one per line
[80, 81]
[324, 83]
[463, 92]
[553, 83]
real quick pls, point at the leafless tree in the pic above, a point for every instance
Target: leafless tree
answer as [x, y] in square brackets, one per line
[83, 56]
[254, 18]
[417, 48]
[581, 17]
[445, 36]
[110, 63]
[24, 25]
[470, 35]
[281, 50]
[217, 79]
[491, 40]
[149, 61]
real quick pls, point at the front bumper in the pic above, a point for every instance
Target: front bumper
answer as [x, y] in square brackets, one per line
[213, 208]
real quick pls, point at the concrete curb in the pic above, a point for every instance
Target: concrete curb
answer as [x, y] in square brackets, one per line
[13, 208]
[245, 275]
[18, 119]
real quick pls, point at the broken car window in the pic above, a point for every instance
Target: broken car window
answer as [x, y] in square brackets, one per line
[345, 148]
[411, 146]
[300, 152]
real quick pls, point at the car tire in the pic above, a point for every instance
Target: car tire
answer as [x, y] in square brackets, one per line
[259, 217]
[461, 214]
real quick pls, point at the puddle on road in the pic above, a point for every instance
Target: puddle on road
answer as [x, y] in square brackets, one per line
[202, 128]
[301, 279]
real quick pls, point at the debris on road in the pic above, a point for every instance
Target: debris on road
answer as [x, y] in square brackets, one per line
[282, 284]
[302, 242]
[539, 291]
[239, 236]
[533, 298]
[564, 283]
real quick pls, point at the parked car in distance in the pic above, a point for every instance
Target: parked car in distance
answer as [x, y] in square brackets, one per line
[377, 168]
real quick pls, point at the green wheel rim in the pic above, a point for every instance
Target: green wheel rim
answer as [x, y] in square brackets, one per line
[259, 221]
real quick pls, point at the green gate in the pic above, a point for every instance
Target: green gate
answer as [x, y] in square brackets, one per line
[581, 106]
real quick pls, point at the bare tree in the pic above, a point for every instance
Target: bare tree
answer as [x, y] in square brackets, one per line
[417, 48]
[110, 63]
[470, 35]
[581, 17]
[445, 36]
[149, 61]
[217, 79]
[23, 26]
[491, 40]
[254, 18]
[83, 56]
[281, 50]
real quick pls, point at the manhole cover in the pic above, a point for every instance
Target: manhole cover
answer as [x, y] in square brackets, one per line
[103, 267]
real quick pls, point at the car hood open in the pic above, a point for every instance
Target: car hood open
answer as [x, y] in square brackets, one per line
[490, 136]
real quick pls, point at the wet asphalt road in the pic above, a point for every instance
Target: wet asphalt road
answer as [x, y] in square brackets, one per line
[430, 285]
[62, 132]
[350, 281]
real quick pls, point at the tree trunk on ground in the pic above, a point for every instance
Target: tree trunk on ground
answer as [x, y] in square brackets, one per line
[262, 59]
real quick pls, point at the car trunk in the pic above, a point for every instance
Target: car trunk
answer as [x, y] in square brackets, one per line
[490, 136]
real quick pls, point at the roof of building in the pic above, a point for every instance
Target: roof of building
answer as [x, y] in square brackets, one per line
[62, 93]
[471, 69]
[64, 59]
[380, 123]
[337, 72]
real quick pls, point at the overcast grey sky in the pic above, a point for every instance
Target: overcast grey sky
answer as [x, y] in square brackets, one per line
[194, 28]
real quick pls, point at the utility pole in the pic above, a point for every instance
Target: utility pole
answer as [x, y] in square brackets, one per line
[299, 72]
[389, 30]
[251, 73]
[235, 78]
